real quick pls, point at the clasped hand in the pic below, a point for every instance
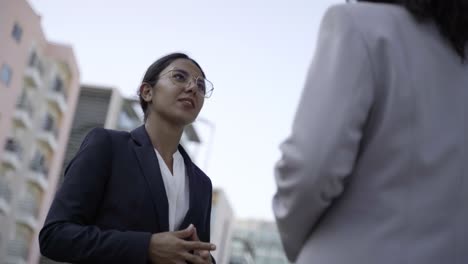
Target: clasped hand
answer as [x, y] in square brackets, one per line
[179, 247]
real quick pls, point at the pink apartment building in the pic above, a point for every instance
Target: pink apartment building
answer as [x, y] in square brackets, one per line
[39, 87]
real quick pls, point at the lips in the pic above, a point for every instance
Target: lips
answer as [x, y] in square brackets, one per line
[188, 101]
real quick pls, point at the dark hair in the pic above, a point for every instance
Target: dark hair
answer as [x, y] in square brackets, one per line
[450, 16]
[153, 71]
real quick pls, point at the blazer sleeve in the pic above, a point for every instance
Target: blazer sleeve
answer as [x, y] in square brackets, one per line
[322, 148]
[68, 234]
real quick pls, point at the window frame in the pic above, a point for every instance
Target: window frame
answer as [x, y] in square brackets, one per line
[6, 74]
[17, 32]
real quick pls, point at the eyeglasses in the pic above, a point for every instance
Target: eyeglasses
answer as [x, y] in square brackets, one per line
[183, 79]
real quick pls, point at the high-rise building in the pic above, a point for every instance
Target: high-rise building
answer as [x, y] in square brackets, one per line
[242, 251]
[258, 239]
[222, 223]
[100, 106]
[39, 87]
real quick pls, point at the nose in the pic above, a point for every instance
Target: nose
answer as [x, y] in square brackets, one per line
[192, 86]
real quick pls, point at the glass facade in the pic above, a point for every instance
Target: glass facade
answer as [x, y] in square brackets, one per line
[264, 239]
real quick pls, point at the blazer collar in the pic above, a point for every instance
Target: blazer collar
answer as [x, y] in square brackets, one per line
[149, 165]
[140, 135]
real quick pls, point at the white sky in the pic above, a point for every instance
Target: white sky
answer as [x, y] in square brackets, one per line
[256, 52]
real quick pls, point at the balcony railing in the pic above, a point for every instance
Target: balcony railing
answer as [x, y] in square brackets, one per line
[13, 154]
[58, 99]
[17, 251]
[14, 260]
[33, 77]
[39, 175]
[5, 195]
[49, 137]
[23, 116]
[27, 211]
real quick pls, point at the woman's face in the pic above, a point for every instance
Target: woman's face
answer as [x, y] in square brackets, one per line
[177, 97]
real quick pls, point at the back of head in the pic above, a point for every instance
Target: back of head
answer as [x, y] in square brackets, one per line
[450, 16]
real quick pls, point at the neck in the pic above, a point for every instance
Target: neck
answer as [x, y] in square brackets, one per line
[164, 136]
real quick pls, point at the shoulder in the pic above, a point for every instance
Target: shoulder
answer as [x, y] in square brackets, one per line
[102, 136]
[363, 13]
[110, 133]
[370, 20]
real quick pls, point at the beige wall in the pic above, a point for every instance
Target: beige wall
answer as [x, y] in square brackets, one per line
[57, 61]
[63, 54]
[15, 54]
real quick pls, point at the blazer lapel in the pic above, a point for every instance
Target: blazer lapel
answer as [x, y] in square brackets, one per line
[193, 194]
[150, 167]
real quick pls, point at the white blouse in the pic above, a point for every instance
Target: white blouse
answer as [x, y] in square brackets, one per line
[177, 189]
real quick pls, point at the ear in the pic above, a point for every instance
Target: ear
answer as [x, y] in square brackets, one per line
[146, 92]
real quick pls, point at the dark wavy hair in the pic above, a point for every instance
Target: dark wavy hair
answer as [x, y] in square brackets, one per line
[450, 16]
[154, 70]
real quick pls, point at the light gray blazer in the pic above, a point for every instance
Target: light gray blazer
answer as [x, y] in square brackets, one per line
[375, 170]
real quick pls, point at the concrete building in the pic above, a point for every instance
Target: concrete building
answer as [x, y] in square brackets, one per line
[39, 87]
[222, 224]
[259, 239]
[100, 106]
[242, 251]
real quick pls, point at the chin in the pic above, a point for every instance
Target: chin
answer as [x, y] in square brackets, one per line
[185, 120]
[182, 118]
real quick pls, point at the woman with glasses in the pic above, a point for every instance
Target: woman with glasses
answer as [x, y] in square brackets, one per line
[137, 197]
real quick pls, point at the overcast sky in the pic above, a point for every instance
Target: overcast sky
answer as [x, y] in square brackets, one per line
[256, 53]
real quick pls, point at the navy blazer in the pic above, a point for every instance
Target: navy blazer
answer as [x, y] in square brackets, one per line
[113, 199]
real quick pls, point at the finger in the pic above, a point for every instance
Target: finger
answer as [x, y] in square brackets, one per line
[198, 245]
[194, 236]
[185, 233]
[193, 258]
[204, 254]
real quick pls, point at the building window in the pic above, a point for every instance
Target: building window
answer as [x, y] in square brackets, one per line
[58, 85]
[5, 74]
[35, 62]
[13, 146]
[33, 59]
[38, 163]
[17, 32]
[49, 123]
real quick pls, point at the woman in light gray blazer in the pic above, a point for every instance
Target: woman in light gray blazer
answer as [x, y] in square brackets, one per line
[375, 170]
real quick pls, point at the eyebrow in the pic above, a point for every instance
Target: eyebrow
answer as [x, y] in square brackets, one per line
[182, 71]
[186, 72]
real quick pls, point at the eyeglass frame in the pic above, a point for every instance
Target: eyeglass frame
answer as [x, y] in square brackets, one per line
[210, 92]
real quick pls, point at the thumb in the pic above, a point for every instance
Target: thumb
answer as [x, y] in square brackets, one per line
[185, 233]
[194, 236]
